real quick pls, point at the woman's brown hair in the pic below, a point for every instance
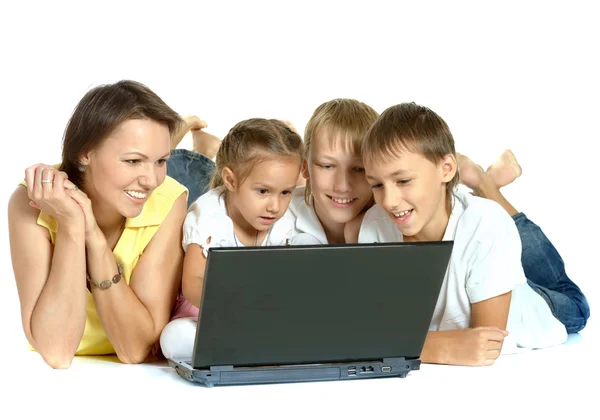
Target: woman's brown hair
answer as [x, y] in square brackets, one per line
[101, 111]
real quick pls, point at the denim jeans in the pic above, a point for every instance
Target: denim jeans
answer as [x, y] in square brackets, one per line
[545, 272]
[191, 169]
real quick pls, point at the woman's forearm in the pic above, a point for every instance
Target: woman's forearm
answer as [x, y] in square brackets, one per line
[127, 322]
[58, 319]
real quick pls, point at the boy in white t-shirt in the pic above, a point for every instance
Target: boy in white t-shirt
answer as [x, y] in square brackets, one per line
[336, 190]
[411, 164]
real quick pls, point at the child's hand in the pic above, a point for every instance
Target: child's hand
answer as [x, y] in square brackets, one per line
[479, 346]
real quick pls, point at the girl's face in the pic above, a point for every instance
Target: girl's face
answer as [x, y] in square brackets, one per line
[129, 164]
[264, 195]
[337, 180]
[412, 190]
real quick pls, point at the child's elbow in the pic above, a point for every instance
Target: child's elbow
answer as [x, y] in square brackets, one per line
[191, 287]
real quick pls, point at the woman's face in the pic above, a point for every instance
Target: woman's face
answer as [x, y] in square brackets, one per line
[128, 165]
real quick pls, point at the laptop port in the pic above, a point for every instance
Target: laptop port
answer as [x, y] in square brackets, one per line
[366, 369]
[352, 371]
[386, 369]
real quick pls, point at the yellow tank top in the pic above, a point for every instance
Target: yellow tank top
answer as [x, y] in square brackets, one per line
[136, 236]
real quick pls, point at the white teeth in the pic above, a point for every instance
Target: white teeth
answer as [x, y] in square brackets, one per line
[342, 200]
[402, 213]
[136, 194]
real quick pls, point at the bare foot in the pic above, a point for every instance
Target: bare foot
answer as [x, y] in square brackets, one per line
[190, 122]
[205, 143]
[290, 125]
[470, 174]
[505, 169]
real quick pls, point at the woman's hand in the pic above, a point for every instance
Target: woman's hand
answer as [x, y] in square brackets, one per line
[50, 191]
[94, 238]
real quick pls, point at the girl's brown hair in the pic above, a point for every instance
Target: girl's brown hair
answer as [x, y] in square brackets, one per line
[251, 141]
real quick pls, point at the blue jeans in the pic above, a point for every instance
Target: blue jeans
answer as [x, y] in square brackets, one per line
[191, 169]
[545, 272]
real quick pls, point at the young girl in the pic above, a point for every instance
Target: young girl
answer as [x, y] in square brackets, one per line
[336, 190]
[411, 165]
[257, 167]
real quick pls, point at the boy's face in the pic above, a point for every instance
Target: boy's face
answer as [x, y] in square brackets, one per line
[412, 190]
[337, 179]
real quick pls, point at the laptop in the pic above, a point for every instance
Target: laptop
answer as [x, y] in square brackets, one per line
[315, 312]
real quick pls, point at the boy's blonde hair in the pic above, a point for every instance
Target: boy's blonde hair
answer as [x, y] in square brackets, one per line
[346, 119]
[409, 127]
[252, 141]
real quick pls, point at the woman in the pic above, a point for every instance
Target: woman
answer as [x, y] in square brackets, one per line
[96, 241]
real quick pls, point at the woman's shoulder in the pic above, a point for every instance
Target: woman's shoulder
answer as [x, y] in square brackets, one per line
[169, 188]
[159, 204]
[21, 212]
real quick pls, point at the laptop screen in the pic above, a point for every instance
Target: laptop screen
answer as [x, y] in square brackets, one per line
[318, 303]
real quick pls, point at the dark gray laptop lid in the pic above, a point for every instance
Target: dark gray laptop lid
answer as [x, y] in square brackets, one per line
[318, 304]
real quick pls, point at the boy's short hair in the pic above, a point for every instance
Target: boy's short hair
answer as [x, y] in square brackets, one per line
[408, 127]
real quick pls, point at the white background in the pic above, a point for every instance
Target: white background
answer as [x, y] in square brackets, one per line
[520, 75]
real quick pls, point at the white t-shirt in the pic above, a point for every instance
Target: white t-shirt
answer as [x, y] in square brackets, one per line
[207, 218]
[309, 230]
[485, 262]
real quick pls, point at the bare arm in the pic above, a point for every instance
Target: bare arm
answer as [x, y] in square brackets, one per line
[491, 312]
[480, 345]
[50, 281]
[194, 265]
[134, 315]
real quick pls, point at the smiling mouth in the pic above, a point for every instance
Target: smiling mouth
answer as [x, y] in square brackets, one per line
[402, 214]
[342, 200]
[136, 194]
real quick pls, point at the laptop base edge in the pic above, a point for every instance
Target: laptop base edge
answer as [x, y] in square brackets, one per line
[229, 375]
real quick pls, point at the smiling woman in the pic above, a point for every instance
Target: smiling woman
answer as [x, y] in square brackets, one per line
[107, 213]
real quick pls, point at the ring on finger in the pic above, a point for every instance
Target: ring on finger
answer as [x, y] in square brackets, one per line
[47, 181]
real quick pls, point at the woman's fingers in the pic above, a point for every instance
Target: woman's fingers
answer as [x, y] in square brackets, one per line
[47, 181]
[69, 185]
